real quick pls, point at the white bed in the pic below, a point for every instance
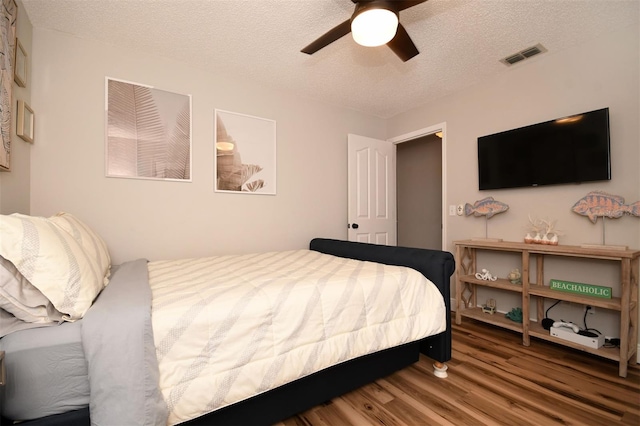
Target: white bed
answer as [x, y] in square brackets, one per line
[238, 339]
[268, 319]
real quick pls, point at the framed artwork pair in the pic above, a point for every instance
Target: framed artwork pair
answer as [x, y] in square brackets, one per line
[148, 136]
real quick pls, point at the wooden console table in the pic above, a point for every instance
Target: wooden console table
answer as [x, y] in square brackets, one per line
[626, 304]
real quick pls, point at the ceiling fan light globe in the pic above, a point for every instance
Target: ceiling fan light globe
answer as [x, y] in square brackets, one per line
[374, 27]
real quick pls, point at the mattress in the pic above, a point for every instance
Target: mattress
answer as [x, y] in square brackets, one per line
[50, 366]
[230, 327]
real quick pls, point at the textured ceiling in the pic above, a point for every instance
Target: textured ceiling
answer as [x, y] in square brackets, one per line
[460, 41]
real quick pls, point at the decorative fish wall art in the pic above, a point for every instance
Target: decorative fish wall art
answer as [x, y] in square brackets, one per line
[601, 204]
[487, 207]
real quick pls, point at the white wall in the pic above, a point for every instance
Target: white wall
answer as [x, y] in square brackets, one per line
[603, 73]
[156, 219]
[15, 184]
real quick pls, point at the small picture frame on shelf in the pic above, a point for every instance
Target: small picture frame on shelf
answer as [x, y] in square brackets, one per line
[20, 71]
[25, 121]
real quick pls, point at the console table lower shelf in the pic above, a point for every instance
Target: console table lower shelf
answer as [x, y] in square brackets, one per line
[537, 331]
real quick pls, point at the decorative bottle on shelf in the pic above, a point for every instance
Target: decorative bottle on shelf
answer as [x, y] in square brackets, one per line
[514, 276]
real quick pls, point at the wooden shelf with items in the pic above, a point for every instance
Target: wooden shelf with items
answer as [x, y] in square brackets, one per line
[495, 319]
[537, 331]
[614, 304]
[626, 305]
[500, 283]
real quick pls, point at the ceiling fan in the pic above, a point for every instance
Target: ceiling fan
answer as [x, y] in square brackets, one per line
[373, 23]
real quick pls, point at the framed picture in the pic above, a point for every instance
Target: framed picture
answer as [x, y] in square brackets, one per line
[20, 72]
[8, 16]
[148, 132]
[245, 149]
[25, 122]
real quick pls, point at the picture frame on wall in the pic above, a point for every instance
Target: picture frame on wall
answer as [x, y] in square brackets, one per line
[148, 132]
[25, 122]
[20, 73]
[245, 159]
[8, 16]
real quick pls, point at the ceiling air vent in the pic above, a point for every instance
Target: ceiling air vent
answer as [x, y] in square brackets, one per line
[523, 54]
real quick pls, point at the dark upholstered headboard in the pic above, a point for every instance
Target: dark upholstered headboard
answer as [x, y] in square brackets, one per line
[436, 265]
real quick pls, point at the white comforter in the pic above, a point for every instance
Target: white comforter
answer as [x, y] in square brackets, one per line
[230, 327]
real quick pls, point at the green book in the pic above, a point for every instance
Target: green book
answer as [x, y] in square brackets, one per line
[581, 288]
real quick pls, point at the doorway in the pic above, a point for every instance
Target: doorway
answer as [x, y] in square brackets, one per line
[419, 192]
[436, 198]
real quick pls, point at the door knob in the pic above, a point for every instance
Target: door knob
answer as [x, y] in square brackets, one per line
[354, 226]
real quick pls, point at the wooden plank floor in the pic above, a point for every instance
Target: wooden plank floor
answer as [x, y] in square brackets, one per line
[493, 380]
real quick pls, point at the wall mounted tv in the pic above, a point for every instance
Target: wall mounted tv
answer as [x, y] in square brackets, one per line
[571, 149]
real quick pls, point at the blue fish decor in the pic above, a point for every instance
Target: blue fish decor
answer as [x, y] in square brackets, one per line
[487, 207]
[601, 204]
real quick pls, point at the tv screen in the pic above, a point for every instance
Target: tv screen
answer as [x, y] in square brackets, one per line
[571, 149]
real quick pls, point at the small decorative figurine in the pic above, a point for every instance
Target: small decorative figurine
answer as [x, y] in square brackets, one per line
[514, 276]
[485, 275]
[542, 231]
[550, 236]
[490, 307]
[514, 315]
[533, 234]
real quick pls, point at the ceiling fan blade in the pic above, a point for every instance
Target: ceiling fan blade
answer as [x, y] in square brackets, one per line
[329, 37]
[406, 4]
[396, 5]
[402, 45]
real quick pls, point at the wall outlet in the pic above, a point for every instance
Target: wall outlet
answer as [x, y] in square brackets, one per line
[589, 309]
[460, 209]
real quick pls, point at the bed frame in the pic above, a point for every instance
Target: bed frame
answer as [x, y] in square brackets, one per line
[290, 399]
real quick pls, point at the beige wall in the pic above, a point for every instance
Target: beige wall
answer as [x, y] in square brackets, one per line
[603, 73]
[15, 185]
[156, 219]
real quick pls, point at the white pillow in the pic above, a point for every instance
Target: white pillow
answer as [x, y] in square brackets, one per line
[21, 299]
[60, 256]
[91, 242]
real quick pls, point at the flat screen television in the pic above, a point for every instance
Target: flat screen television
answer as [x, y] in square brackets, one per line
[571, 149]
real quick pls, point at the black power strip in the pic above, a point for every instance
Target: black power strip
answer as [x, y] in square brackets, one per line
[612, 343]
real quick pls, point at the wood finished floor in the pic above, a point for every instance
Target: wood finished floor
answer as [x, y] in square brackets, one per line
[493, 380]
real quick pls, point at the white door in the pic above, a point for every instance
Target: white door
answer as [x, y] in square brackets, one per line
[372, 190]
